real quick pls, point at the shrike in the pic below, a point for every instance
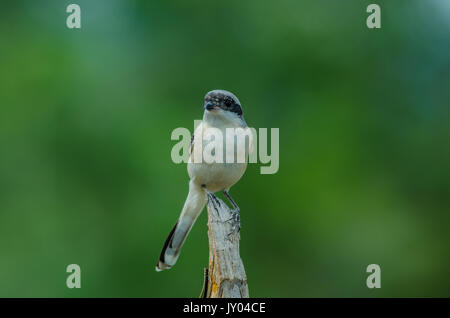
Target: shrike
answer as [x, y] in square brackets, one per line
[222, 110]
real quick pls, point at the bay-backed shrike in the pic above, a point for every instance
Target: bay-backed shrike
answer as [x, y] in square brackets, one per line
[222, 112]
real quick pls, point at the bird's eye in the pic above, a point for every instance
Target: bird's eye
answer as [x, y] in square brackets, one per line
[228, 103]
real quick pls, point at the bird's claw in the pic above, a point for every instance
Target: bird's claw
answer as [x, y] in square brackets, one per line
[211, 197]
[236, 222]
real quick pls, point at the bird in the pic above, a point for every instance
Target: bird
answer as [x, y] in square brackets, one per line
[222, 110]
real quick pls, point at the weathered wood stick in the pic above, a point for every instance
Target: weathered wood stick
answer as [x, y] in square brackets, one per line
[226, 274]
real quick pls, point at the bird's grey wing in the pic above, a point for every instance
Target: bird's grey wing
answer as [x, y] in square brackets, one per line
[197, 132]
[191, 145]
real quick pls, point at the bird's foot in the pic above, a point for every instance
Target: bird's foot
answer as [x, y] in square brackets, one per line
[235, 222]
[211, 198]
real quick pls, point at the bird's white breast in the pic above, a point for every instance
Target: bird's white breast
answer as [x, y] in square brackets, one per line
[218, 176]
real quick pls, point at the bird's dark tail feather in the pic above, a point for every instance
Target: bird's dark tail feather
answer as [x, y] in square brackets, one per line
[162, 265]
[172, 246]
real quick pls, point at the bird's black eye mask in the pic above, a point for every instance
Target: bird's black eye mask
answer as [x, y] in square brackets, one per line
[227, 103]
[235, 108]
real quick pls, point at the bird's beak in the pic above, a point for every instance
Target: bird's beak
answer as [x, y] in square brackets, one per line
[209, 106]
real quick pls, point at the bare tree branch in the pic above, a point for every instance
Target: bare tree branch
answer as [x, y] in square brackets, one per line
[225, 277]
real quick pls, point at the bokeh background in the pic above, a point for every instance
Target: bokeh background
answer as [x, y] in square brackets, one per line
[86, 116]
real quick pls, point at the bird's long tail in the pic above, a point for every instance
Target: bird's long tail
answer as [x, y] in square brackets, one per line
[193, 206]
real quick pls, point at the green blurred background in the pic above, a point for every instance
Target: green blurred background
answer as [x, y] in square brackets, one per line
[86, 116]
